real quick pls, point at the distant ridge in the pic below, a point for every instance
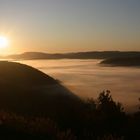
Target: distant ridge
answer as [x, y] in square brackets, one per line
[75, 55]
[133, 61]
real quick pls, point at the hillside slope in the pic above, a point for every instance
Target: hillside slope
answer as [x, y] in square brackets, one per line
[28, 91]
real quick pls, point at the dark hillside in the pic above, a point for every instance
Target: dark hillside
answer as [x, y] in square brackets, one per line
[28, 91]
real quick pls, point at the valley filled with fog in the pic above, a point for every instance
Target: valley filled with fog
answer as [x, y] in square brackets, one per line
[86, 78]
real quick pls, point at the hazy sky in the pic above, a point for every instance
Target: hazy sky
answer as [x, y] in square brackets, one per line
[70, 25]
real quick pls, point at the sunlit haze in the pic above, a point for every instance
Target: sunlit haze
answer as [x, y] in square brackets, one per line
[3, 42]
[70, 25]
[70, 69]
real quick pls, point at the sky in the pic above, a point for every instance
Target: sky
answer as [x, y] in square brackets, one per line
[57, 26]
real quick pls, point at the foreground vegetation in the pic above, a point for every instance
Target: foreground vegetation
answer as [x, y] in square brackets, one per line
[100, 119]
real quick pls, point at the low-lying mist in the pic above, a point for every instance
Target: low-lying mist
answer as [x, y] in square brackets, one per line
[87, 79]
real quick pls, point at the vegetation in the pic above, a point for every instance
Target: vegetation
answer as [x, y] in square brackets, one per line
[101, 119]
[35, 106]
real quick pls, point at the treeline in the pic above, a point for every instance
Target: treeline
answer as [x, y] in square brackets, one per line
[100, 119]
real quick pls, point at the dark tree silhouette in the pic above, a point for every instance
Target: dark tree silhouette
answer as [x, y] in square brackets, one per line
[107, 105]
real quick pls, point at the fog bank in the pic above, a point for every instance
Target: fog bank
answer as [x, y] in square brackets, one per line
[87, 79]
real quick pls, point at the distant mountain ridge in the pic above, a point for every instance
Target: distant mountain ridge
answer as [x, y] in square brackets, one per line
[122, 61]
[75, 55]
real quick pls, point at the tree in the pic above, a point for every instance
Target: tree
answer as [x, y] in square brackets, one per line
[107, 105]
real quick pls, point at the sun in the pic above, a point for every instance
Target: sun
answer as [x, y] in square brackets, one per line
[4, 42]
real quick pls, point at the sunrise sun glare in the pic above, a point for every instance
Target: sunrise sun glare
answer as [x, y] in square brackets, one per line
[3, 42]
